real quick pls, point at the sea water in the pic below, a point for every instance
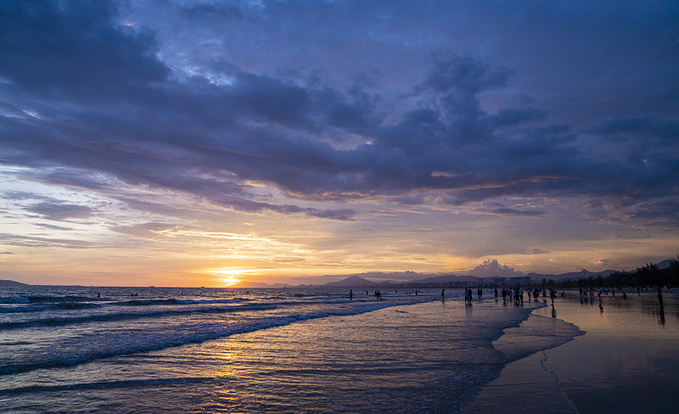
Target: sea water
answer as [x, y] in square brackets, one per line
[151, 350]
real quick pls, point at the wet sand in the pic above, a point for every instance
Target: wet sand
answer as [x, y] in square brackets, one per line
[626, 362]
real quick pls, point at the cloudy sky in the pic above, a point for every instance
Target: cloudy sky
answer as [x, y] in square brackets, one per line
[188, 143]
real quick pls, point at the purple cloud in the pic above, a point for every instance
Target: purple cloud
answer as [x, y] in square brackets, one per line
[61, 211]
[85, 93]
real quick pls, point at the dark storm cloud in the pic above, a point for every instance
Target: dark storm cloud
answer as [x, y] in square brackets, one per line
[211, 11]
[89, 101]
[163, 135]
[653, 131]
[515, 117]
[465, 75]
[72, 47]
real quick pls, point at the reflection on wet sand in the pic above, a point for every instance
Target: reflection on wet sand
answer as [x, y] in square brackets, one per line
[627, 360]
[661, 314]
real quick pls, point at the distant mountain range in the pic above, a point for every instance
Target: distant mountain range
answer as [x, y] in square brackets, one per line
[361, 281]
[355, 281]
[4, 283]
[358, 281]
[436, 281]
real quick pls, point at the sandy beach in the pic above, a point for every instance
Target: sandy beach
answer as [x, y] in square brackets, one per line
[626, 362]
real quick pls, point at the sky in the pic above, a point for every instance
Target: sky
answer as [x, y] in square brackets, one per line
[202, 142]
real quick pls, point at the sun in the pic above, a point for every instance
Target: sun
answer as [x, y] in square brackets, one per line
[230, 281]
[228, 276]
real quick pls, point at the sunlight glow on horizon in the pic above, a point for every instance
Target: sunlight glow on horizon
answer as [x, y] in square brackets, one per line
[229, 276]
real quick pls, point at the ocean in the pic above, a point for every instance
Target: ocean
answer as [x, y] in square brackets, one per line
[66, 349]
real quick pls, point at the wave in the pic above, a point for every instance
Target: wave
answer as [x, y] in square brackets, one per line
[148, 341]
[15, 300]
[104, 385]
[28, 304]
[46, 307]
[170, 302]
[114, 317]
[33, 304]
[26, 309]
[47, 300]
[149, 344]
[536, 333]
[60, 299]
[369, 305]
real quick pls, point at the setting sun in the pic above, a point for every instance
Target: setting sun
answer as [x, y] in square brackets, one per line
[228, 281]
[228, 276]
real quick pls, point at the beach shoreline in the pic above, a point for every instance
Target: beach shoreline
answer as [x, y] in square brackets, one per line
[625, 361]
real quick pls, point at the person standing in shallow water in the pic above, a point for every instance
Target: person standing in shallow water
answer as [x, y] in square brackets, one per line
[443, 294]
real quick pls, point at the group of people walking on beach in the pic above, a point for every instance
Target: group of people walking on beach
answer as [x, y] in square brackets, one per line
[378, 294]
[516, 294]
[533, 294]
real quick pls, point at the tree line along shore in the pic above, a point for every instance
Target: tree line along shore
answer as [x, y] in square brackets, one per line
[649, 275]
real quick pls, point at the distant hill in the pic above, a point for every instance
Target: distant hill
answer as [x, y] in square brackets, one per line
[352, 281]
[445, 280]
[4, 283]
[452, 280]
[537, 277]
[664, 264]
[434, 281]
